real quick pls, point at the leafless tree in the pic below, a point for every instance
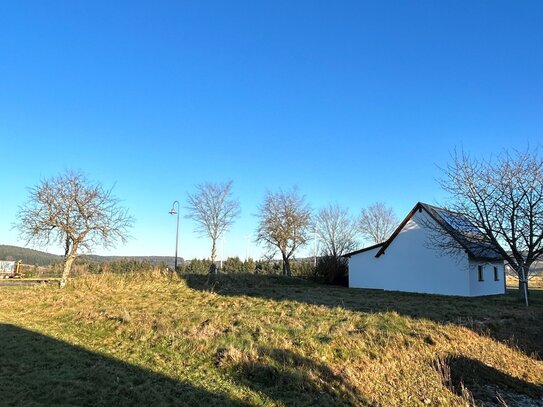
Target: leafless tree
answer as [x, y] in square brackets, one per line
[284, 224]
[337, 230]
[377, 222]
[214, 211]
[74, 212]
[502, 197]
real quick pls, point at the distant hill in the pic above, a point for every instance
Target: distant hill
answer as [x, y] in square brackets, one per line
[28, 256]
[31, 256]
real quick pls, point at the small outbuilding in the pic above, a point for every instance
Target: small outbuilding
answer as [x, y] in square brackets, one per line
[432, 251]
[7, 268]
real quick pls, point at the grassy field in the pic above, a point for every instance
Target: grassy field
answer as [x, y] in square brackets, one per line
[263, 340]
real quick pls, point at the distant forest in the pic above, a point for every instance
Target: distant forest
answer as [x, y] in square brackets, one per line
[28, 256]
[39, 258]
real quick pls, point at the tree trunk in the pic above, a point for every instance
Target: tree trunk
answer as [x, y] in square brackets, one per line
[523, 284]
[286, 266]
[66, 272]
[213, 269]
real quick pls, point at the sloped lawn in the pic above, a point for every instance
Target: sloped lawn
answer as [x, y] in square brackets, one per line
[263, 340]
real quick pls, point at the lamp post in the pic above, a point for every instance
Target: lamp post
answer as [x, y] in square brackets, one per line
[174, 212]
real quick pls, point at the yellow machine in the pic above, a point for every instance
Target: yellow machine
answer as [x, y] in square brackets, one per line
[19, 268]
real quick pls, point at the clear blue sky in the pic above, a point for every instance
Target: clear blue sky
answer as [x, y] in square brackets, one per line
[354, 102]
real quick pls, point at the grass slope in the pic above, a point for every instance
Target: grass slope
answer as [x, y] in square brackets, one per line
[262, 340]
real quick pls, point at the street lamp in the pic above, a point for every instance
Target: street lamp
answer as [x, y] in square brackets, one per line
[174, 212]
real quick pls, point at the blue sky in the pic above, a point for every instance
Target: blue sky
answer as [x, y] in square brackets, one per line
[353, 102]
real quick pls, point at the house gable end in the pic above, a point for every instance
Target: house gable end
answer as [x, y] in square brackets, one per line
[417, 208]
[434, 215]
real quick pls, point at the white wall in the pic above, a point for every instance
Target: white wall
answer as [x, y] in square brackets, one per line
[488, 286]
[412, 264]
[364, 272]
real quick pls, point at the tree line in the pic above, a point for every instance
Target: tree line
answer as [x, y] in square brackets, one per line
[303, 268]
[501, 195]
[286, 222]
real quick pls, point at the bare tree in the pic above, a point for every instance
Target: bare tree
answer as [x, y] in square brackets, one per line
[214, 211]
[377, 222]
[503, 198]
[74, 212]
[337, 230]
[284, 224]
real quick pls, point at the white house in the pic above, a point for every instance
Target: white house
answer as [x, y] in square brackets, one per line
[432, 251]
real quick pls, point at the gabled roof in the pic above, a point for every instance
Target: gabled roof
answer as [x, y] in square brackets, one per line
[476, 243]
[462, 230]
[365, 249]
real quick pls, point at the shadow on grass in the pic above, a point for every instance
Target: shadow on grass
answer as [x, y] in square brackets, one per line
[503, 317]
[292, 379]
[487, 384]
[39, 370]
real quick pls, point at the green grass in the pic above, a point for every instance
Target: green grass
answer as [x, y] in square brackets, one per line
[263, 340]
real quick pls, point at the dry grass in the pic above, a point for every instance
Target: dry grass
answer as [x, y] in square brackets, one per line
[253, 340]
[535, 281]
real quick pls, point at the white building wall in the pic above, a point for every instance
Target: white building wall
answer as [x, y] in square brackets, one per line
[364, 272]
[411, 264]
[489, 286]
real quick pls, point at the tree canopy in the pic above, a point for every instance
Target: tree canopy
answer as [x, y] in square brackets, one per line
[336, 229]
[377, 222]
[503, 197]
[214, 211]
[75, 213]
[284, 223]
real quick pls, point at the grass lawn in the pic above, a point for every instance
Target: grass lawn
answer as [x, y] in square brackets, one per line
[263, 340]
